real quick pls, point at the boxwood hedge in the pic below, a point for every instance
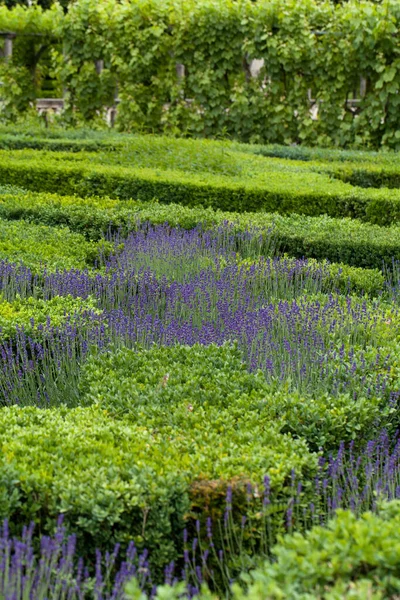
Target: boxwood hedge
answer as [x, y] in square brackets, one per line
[31, 314]
[157, 448]
[160, 435]
[40, 246]
[349, 558]
[338, 240]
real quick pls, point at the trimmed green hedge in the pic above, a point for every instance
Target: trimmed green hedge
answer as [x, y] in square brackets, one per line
[20, 137]
[312, 194]
[15, 142]
[196, 397]
[361, 169]
[167, 431]
[200, 399]
[267, 186]
[93, 217]
[110, 480]
[39, 246]
[351, 558]
[166, 434]
[339, 240]
[31, 314]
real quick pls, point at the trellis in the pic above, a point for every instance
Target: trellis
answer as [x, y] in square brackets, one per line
[56, 105]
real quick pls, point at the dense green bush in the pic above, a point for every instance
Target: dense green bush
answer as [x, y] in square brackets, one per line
[349, 558]
[38, 246]
[199, 396]
[359, 168]
[352, 558]
[169, 429]
[180, 172]
[278, 189]
[18, 142]
[217, 41]
[31, 314]
[375, 165]
[202, 400]
[111, 480]
[339, 240]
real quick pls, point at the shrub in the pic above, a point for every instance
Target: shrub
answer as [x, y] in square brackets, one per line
[238, 181]
[284, 192]
[351, 558]
[332, 562]
[202, 398]
[31, 314]
[110, 480]
[38, 246]
[338, 240]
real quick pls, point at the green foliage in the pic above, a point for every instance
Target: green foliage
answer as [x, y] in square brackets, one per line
[323, 419]
[142, 42]
[38, 246]
[155, 444]
[205, 396]
[203, 401]
[345, 278]
[109, 479]
[213, 174]
[31, 314]
[22, 75]
[311, 193]
[9, 141]
[16, 91]
[348, 558]
[351, 558]
[345, 241]
[32, 20]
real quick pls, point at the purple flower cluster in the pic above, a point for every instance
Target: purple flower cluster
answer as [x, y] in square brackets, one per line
[54, 571]
[166, 285]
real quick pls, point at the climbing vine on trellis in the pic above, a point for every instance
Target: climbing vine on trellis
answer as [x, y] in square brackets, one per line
[185, 67]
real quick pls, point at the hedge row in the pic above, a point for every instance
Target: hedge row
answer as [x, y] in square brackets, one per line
[32, 314]
[361, 169]
[167, 431]
[15, 142]
[349, 558]
[40, 246]
[20, 137]
[279, 188]
[93, 217]
[135, 466]
[344, 241]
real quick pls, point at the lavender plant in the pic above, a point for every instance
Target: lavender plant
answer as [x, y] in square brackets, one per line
[51, 570]
[328, 363]
[273, 307]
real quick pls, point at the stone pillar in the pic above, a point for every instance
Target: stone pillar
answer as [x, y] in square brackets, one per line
[8, 43]
[8, 47]
[99, 66]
